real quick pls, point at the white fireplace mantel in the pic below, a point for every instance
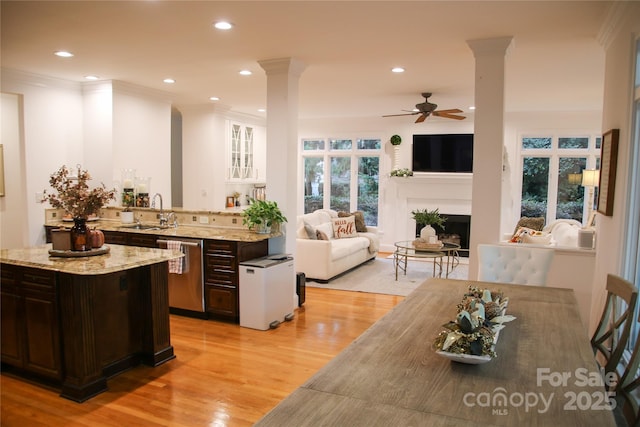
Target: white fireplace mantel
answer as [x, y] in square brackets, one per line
[450, 193]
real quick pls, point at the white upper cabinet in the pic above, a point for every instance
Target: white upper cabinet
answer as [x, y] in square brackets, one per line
[246, 153]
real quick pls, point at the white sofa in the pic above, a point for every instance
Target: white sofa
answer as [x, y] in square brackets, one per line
[322, 260]
[560, 233]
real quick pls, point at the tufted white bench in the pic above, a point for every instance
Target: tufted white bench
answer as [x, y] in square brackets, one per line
[522, 265]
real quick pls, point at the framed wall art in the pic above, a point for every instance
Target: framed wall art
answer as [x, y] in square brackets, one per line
[608, 165]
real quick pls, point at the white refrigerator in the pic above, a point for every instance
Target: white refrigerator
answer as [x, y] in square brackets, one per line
[267, 291]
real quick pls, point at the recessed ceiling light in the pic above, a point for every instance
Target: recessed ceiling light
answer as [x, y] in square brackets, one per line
[397, 70]
[245, 72]
[63, 54]
[214, 98]
[262, 110]
[169, 80]
[91, 77]
[223, 25]
[472, 107]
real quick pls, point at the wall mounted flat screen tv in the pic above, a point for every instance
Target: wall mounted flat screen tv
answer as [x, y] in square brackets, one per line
[443, 153]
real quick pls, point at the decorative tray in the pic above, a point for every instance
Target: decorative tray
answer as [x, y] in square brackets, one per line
[421, 245]
[104, 249]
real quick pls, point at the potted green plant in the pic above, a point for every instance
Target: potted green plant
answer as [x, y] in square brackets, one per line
[396, 140]
[427, 219]
[262, 215]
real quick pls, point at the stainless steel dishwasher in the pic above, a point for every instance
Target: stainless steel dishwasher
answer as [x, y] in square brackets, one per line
[186, 289]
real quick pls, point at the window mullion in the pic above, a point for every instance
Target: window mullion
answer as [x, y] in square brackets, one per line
[552, 191]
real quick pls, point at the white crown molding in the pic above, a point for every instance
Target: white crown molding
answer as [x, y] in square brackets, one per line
[609, 28]
[10, 75]
[132, 89]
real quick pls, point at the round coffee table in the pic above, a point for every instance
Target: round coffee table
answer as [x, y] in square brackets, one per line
[405, 250]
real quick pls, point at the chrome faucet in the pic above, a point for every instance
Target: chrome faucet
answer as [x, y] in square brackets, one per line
[163, 219]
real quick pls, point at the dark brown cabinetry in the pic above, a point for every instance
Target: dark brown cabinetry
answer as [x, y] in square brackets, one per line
[30, 325]
[221, 259]
[221, 274]
[76, 329]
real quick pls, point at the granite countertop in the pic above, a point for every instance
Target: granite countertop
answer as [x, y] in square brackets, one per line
[185, 231]
[119, 258]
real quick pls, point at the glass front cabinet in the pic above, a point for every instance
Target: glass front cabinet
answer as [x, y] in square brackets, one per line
[246, 153]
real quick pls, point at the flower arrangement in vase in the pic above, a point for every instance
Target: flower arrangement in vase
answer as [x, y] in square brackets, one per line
[427, 219]
[75, 198]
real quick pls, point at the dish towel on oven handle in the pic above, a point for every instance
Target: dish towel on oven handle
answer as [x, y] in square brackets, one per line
[175, 265]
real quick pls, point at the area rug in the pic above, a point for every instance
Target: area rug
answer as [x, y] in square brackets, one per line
[378, 276]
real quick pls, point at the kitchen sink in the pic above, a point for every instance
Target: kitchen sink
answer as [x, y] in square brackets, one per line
[142, 227]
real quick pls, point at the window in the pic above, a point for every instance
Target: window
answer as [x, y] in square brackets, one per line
[552, 176]
[631, 250]
[342, 174]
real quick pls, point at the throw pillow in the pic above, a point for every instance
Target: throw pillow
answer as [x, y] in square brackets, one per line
[321, 236]
[539, 239]
[534, 223]
[359, 217]
[344, 227]
[326, 228]
[311, 232]
[301, 233]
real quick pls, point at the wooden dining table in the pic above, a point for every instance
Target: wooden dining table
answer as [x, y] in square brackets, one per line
[544, 372]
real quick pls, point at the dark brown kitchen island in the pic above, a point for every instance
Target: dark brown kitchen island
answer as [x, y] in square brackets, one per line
[74, 322]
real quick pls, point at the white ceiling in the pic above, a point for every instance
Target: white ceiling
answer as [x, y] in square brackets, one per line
[349, 48]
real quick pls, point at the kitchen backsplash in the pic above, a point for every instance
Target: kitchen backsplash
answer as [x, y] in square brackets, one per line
[231, 218]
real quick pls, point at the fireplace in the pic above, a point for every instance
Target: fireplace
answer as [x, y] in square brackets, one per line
[457, 229]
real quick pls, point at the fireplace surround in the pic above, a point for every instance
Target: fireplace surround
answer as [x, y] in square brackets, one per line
[457, 229]
[450, 193]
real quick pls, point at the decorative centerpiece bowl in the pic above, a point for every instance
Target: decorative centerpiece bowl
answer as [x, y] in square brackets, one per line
[472, 336]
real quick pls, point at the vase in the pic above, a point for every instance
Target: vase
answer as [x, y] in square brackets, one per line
[126, 217]
[396, 157]
[262, 228]
[80, 235]
[428, 233]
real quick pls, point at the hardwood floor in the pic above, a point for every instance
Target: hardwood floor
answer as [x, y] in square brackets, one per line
[224, 375]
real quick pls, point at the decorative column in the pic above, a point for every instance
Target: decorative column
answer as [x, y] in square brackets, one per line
[486, 199]
[282, 143]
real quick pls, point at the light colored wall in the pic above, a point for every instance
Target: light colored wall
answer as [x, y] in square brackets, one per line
[98, 131]
[142, 135]
[13, 227]
[64, 125]
[619, 37]
[53, 114]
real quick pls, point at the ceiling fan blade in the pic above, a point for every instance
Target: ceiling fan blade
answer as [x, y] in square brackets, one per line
[421, 118]
[453, 110]
[405, 114]
[448, 116]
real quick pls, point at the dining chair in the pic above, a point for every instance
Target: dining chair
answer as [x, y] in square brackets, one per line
[513, 263]
[612, 333]
[628, 389]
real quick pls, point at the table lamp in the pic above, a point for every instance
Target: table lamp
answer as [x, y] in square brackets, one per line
[590, 180]
[574, 178]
